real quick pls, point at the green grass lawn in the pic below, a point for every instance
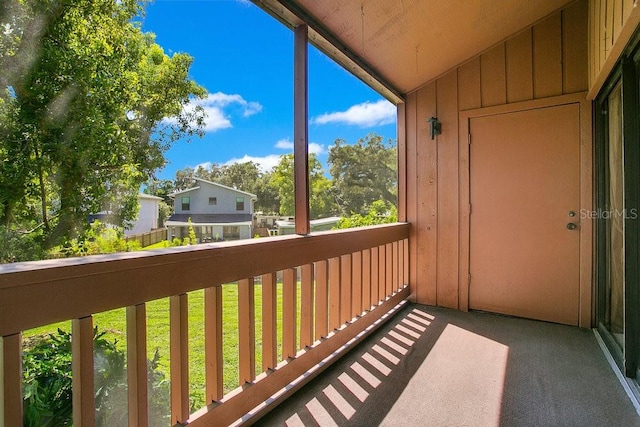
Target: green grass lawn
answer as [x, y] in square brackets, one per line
[160, 244]
[114, 322]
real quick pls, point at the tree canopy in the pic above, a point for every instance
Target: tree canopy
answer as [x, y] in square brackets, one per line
[321, 202]
[88, 106]
[363, 173]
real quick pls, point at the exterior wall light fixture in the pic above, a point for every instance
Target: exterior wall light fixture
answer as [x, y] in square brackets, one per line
[436, 127]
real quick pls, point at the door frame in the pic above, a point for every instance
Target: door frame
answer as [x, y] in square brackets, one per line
[586, 310]
[626, 72]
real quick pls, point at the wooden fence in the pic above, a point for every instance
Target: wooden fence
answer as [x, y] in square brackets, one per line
[150, 238]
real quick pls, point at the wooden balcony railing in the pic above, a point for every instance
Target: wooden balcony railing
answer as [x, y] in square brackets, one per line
[348, 280]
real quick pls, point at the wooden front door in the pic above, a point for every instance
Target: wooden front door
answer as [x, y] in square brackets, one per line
[525, 213]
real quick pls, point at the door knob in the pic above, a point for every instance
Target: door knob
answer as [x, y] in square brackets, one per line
[572, 226]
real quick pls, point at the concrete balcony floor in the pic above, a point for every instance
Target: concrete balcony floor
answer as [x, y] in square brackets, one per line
[436, 367]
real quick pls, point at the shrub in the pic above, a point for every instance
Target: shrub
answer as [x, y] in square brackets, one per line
[48, 385]
[17, 245]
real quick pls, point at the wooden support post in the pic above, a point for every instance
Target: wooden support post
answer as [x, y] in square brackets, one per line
[213, 343]
[300, 129]
[269, 321]
[289, 313]
[179, 363]
[84, 406]
[306, 306]
[402, 162]
[11, 380]
[137, 365]
[246, 331]
[322, 299]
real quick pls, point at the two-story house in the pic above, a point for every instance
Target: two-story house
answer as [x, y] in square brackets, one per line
[217, 212]
[146, 221]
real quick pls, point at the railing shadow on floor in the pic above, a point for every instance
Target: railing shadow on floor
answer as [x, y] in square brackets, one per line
[362, 388]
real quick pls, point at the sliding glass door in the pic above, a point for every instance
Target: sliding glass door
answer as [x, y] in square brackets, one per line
[617, 201]
[613, 316]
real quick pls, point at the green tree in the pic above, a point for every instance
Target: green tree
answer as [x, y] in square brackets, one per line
[160, 188]
[363, 173]
[184, 179]
[321, 202]
[267, 194]
[380, 212]
[88, 106]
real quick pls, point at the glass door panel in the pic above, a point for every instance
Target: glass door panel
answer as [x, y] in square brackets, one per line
[615, 216]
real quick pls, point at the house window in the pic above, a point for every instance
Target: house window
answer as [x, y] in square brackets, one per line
[239, 203]
[231, 232]
[213, 200]
[186, 203]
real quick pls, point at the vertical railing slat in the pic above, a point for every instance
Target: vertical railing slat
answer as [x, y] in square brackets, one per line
[389, 270]
[375, 276]
[306, 306]
[400, 263]
[396, 257]
[366, 280]
[322, 299]
[213, 343]
[334, 293]
[137, 365]
[179, 363]
[246, 331]
[84, 406]
[356, 274]
[11, 380]
[382, 272]
[269, 321]
[289, 323]
[345, 291]
[405, 273]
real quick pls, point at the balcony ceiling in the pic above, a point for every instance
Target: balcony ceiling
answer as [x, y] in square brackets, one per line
[410, 42]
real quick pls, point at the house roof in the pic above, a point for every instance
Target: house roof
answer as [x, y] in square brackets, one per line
[397, 46]
[252, 196]
[148, 196]
[320, 221]
[208, 219]
[175, 193]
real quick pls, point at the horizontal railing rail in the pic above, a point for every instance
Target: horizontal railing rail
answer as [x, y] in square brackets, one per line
[339, 275]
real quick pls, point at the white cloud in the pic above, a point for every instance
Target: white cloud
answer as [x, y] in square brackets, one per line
[285, 144]
[205, 165]
[215, 106]
[314, 148]
[367, 114]
[266, 163]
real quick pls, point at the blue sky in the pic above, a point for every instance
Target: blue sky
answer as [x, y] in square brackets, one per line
[244, 58]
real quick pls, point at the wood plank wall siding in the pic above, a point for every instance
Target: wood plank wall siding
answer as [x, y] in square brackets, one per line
[349, 280]
[546, 60]
[612, 23]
